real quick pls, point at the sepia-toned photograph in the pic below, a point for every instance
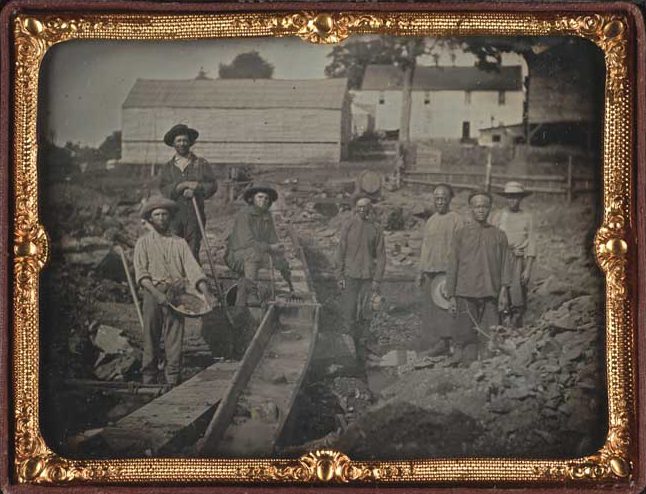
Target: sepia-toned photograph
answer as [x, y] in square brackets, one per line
[264, 247]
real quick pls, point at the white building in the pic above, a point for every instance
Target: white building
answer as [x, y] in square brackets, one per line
[447, 102]
[257, 122]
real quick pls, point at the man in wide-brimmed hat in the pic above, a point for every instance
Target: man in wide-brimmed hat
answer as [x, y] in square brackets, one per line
[184, 179]
[160, 259]
[477, 279]
[518, 224]
[360, 265]
[437, 235]
[253, 241]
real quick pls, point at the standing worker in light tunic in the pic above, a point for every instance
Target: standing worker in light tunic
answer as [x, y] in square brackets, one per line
[438, 233]
[184, 178]
[253, 242]
[519, 227]
[477, 279]
[360, 265]
[161, 259]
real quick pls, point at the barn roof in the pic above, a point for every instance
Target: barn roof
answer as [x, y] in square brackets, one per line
[237, 93]
[384, 77]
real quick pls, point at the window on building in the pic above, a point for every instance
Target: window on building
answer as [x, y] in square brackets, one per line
[467, 97]
[501, 97]
[382, 98]
[495, 138]
[427, 98]
[466, 130]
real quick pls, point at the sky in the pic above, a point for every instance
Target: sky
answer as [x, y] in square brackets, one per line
[85, 82]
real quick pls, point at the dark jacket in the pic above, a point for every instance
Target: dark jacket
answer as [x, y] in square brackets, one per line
[198, 170]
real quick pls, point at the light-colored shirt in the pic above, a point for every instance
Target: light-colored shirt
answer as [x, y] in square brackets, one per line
[362, 252]
[164, 259]
[437, 241]
[519, 227]
[181, 162]
[479, 262]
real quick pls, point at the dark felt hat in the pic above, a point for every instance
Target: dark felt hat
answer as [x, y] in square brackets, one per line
[158, 202]
[266, 188]
[180, 129]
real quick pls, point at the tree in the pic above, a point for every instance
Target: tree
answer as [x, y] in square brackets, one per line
[248, 65]
[351, 58]
[110, 148]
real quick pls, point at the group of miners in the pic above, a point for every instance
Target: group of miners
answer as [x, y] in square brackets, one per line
[473, 271]
[169, 251]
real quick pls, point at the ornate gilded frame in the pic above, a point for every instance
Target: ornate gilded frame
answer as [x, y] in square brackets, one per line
[616, 463]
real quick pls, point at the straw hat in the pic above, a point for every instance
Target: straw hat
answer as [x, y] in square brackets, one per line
[514, 189]
[180, 130]
[438, 287]
[158, 202]
[266, 188]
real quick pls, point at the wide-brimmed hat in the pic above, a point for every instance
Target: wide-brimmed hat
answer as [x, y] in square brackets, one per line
[514, 189]
[438, 288]
[158, 202]
[266, 188]
[180, 130]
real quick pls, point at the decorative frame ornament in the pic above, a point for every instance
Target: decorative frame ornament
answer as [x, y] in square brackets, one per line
[615, 247]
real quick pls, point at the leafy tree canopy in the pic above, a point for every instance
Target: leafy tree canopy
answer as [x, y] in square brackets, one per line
[248, 65]
[351, 58]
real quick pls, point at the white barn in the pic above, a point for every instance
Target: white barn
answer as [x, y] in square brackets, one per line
[248, 121]
[447, 102]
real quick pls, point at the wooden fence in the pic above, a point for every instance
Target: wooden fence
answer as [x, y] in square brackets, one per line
[568, 185]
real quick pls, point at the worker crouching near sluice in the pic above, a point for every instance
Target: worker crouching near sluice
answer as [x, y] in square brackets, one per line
[253, 244]
[160, 260]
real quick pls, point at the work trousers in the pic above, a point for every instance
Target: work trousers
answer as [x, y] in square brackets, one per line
[354, 300]
[161, 324]
[517, 291]
[250, 260]
[473, 322]
[184, 224]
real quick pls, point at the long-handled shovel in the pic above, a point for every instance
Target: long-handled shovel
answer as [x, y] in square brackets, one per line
[218, 289]
[133, 292]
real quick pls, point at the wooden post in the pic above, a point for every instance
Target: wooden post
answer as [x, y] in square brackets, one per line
[487, 183]
[570, 181]
[407, 96]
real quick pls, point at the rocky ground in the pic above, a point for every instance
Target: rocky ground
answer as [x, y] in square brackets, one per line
[540, 394]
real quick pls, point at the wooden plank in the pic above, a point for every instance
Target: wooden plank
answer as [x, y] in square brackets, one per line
[455, 185]
[172, 417]
[226, 409]
[266, 402]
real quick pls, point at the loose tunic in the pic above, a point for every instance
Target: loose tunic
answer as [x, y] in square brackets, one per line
[362, 252]
[438, 234]
[437, 241]
[519, 228]
[184, 222]
[479, 262]
[478, 269]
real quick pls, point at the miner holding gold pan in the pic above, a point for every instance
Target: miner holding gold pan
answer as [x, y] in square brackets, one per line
[164, 261]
